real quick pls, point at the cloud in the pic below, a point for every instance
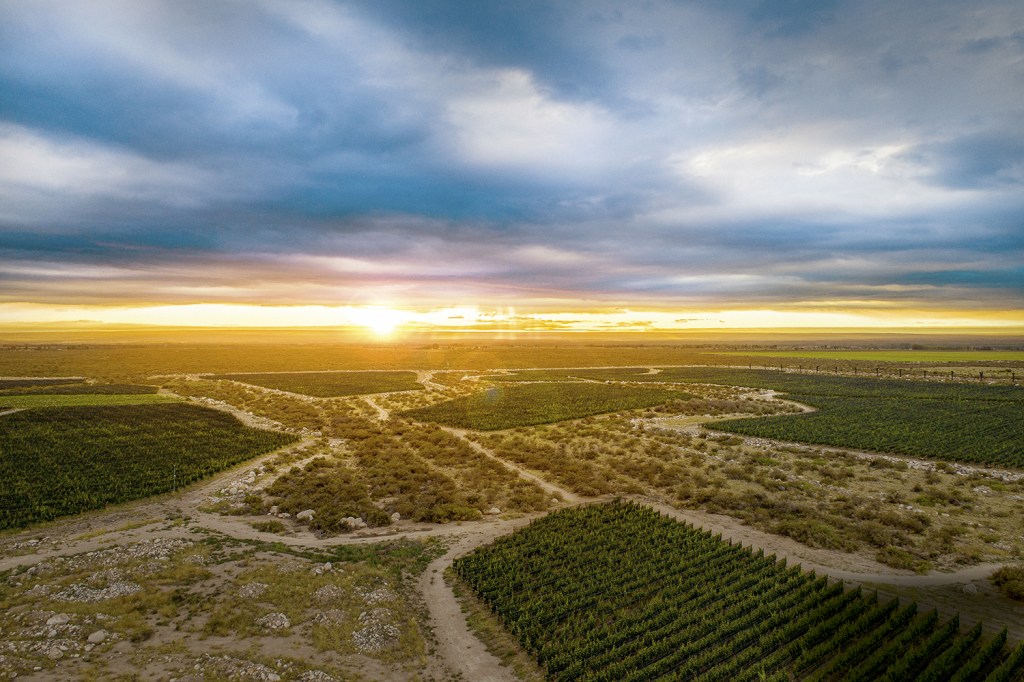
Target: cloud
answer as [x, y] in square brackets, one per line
[568, 154]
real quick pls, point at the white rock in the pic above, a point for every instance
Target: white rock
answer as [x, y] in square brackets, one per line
[98, 637]
[274, 621]
[396, 517]
[305, 515]
[970, 589]
[274, 510]
[493, 511]
[284, 515]
[54, 654]
[59, 619]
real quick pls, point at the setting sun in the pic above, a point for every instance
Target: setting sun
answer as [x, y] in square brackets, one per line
[381, 321]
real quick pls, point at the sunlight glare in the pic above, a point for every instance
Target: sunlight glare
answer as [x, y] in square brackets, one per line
[381, 321]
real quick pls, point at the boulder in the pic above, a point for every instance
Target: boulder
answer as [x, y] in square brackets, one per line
[493, 511]
[54, 653]
[396, 517]
[59, 619]
[305, 515]
[98, 637]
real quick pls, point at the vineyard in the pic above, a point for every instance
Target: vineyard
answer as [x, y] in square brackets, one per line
[618, 592]
[6, 384]
[969, 431]
[79, 389]
[508, 406]
[55, 462]
[46, 399]
[330, 384]
[964, 422]
[591, 374]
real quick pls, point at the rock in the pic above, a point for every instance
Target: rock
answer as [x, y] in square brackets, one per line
[305, 515]
[493, 511]
[97, 637]
[54, 654]
[253, 590]
[353, 522]
[274, 621]
[396, 517]
[970, 588]
[284, 515]
[274, 511]
[88, 647]
[59, 619]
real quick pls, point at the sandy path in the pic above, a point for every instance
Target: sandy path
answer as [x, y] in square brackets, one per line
[458, 646]
[551, 488]
[382, 413]
[424, 376]
[11, 411]
[844, 566]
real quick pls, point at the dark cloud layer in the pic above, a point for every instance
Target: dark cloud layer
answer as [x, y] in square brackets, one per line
[743, 153]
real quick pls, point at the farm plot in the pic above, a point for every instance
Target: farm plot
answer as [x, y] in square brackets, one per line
[6, 384]
[79, 389]
[61, 461]
[34, 400]
[508, 406]
[985, 432]
[617, 592]
[330, 384]
[952, 421]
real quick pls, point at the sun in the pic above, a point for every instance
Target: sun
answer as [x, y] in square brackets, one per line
[381, 321]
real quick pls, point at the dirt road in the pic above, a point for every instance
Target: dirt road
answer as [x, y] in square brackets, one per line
[458, 646]
[551, 488]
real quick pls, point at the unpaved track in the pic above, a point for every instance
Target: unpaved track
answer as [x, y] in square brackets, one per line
[855, 568]
[551, 488]
[382, 413]
[425, 376]
[458, 646]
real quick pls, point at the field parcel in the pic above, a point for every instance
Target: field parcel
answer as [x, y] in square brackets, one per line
[617, 592]
[960, 422]
[509, 406]
[330, 384]
[60, 461]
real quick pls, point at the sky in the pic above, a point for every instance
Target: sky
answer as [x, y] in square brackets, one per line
[563, 164]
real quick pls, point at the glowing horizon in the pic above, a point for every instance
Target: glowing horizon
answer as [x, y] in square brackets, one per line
[387, 321]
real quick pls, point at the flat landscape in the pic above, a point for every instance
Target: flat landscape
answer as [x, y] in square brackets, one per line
[635, 520]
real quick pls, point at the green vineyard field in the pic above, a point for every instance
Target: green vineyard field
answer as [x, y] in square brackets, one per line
[330, 384]
[972, 431]
[60, 461]
[508, 406]
[6, 384]
[36, 400]
[79, 389]
[617, 592]
[963, 422]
